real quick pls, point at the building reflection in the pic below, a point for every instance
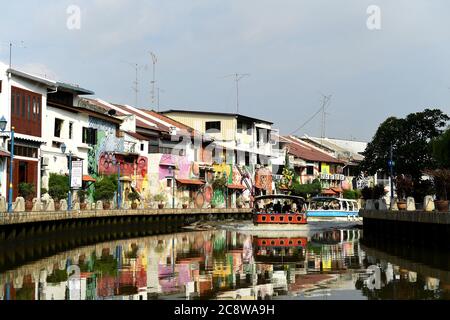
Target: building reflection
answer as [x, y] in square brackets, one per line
[214, 265]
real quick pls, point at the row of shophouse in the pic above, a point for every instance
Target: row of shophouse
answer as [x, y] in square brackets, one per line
[178, 153]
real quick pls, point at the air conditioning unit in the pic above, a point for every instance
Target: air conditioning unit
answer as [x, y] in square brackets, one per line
[45, 161]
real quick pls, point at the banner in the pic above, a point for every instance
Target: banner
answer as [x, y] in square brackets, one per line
[76, 180]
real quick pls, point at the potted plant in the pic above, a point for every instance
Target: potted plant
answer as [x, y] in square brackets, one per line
[185, 201]
[441, 181]
[403, 187]
[26, 190]
[82, 198]
[133, 197]
[104, 191]
[161, 198]
[58, 188]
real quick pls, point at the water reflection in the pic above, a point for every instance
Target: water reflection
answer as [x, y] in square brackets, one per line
[222, 265]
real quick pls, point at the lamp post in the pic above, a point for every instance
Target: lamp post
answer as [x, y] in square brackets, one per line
[172, 176]
[226, 189]
[119, 191]
[69, 196]
[391, 164]
[3, 123]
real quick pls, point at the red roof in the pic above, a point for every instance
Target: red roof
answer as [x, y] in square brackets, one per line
[191, 182]
[236, 186]
[88, 178]
[305, 152]
[4, 154]
[328, 192]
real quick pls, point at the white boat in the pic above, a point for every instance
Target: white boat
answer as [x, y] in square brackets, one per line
[330, 207]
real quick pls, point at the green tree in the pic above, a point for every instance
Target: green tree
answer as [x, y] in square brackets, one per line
[105, 189]
[58, 186]
[410, 138]
[306, 190]
[441, 149]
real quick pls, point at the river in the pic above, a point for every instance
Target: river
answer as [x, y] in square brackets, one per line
[223, 263]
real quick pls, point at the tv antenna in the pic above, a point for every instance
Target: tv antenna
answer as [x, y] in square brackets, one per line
[11, 44]
[158, 89]
[238, 77]
[154, 61]
[135, 86]
[325, 104]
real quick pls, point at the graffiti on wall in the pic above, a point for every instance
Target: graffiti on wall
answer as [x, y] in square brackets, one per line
[133, 167]
[107, 141]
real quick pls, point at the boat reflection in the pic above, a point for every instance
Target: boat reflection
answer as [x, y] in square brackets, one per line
[207, 265]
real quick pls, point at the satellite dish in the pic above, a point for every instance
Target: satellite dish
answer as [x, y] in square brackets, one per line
[112, 112]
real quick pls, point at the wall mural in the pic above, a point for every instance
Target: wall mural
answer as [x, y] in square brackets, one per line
[133, 167]
[106, 142]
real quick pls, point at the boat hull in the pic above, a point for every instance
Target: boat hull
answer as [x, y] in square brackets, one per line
[279, 219]
[331, 213]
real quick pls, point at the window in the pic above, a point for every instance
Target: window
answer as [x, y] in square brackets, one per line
[213, 125]
[70, 130]
[29, 107]
[142, 147]
[13, 102]
[24, 151]
[239, 127]
[247, 159]
[57, 127]
[89, 136]
[310, 170]
[249, 129]
[153, 146]
[25, 115]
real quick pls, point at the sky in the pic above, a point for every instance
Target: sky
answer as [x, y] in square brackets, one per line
[295, 52]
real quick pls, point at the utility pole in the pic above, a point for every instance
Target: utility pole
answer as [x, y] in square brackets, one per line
[154, 61]
[237, 77]
[326, 100]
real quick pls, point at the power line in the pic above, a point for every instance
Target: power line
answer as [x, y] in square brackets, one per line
[310, 119]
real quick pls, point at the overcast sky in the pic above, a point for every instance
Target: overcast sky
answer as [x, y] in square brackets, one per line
[294, 51]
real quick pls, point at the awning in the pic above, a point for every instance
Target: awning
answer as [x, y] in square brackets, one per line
[328, 192]
[87, 178]
[4, 154]
[236, 186]
[337, 190]
[191, 182]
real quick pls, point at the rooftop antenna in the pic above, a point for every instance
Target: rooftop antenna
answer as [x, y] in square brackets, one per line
[154, 61]
[135, 86]
[11, 44]
[325, 103]
[238, 77]
[159, 90]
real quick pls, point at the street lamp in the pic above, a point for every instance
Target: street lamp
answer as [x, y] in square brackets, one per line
[69, 155]
[172, 176]
[226, 188]
[3, 123]
[115, 162]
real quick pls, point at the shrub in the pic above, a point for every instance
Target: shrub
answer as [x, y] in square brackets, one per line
[219, 183]
[306, 190]
[104, 189]
[26, 190]
[133, 196]
[161, 197]
[82, 195]
[403, 186]
[352, 194]
[58, 186]
[375, 192]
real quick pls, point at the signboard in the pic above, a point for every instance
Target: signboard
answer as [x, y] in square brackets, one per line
[76, 180]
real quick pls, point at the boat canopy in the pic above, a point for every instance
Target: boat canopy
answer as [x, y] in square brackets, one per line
[331, 199]
[280, 196]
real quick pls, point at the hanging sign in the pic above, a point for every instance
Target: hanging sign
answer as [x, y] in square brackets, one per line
[76, 180]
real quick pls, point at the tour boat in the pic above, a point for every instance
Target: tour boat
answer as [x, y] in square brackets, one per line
[279, 249]
[279, 210]
[330, 207]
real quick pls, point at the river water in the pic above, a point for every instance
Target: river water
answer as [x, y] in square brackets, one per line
[326, 263]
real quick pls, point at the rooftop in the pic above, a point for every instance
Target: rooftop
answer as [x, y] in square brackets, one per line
[236, 115]
[303, 151]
